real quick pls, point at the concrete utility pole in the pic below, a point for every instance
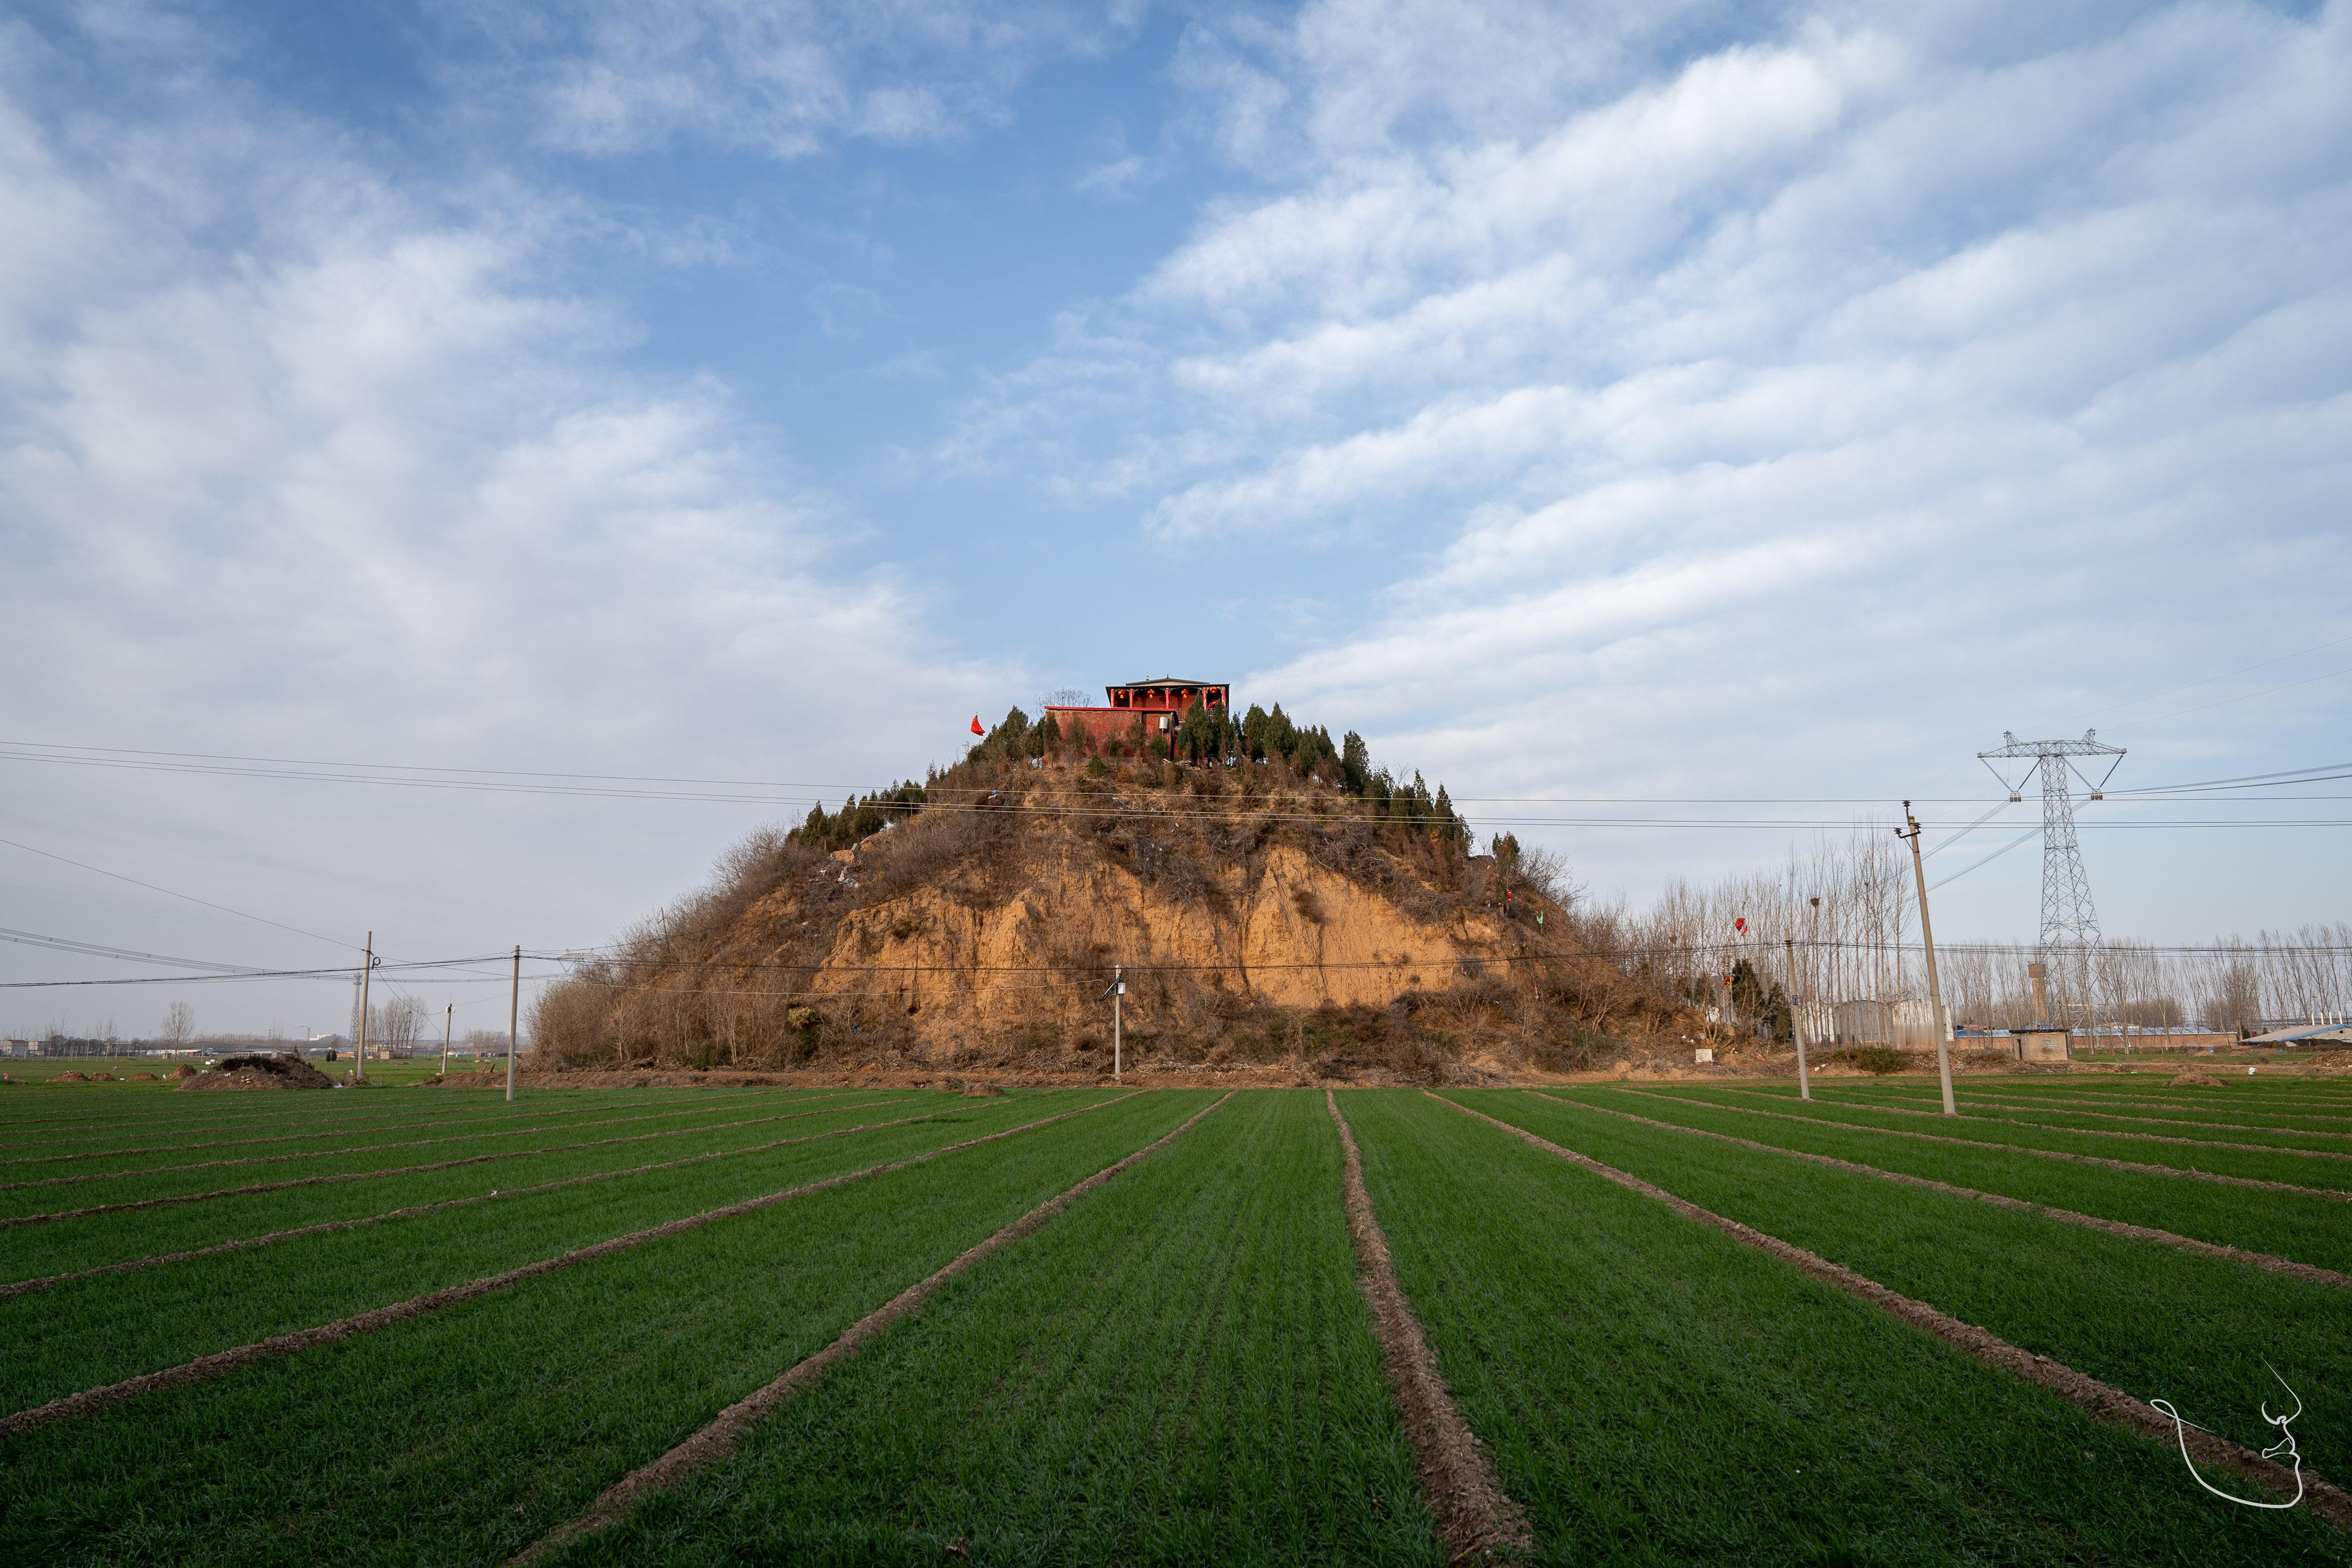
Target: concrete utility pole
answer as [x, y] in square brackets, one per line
[1116, 992]
[514, 1013]
[359, 1053]
[449, 1014]
[1935, 991]
[1797, 1022]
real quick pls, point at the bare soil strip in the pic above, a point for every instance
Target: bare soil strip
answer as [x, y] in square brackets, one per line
[90, 1401]
[2048, 1109]
[715, 1442]
[2052, 1102]
[1476, 1519]
[22, 1287]
[45, 1217]
[508, 1131]
[2111, 1406]
[2267, 1261]
[2185, 1172]
[2107, 1132]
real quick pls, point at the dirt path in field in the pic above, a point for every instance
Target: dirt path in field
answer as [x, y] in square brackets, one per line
[1995, 1097]
[2110, 1133]
[250, 1188]
[2108, 1405]
[373, 1148]
[1988, 1101]
[2186, 1172]
[716, 1441]
[2267, 1261]
[89, 1401]
[21, 1287]
[1476, 1519]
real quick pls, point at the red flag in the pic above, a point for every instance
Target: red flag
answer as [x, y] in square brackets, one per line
[1741, 924]
[975, 725]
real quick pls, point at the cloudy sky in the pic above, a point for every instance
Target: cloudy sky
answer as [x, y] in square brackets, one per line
[1664, 401]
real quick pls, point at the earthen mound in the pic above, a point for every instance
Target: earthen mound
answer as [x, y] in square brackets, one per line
[2193, 1080]
[260, 1072]
[1283, 905]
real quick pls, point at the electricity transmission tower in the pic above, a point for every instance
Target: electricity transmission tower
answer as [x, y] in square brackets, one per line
[2070, 925]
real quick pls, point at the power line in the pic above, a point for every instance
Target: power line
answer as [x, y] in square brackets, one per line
[192, 898]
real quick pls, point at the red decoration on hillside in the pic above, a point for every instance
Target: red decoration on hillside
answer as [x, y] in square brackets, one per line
[975, 725]
[1741, 924]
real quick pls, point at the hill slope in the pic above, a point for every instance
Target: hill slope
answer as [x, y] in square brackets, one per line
[1261, 911]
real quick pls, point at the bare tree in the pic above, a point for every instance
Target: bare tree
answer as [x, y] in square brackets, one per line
[179, 1024]
[1066, 697]
[400, 1024]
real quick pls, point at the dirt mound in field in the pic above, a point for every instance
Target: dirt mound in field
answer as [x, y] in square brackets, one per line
[186, 1070]
[1262, 913]
[260, 1073]
[77, 1077]
[2195, 1080]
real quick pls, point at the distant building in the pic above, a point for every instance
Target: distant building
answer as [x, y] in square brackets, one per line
[1159, 705]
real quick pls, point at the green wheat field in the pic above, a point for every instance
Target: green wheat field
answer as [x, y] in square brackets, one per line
[1178, 1365]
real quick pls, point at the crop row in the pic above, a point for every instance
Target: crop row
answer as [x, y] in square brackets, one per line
[100, 1329]
[2080, 1297]
[2281, 1166]
[2310, 1227]
[1652, 1390]
[2109, 1110]
[1181, 1372]
[114, 1163]
[506, 1415]
[209, 1176]
[167, 1113]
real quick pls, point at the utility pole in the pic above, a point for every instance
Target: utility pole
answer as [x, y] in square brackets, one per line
[448, 1013]
[1935, 991]
[1116, 992]
[514, 1013]
[1797, 1022]
[358, 1053]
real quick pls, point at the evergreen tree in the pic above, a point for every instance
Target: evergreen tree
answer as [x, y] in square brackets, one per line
[1355, 763]
[1254, 726]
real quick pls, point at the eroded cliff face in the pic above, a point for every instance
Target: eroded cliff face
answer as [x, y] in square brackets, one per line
[1284, 932]
[1248, 925]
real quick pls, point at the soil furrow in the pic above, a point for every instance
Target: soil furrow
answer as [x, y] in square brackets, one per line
[2111, 1406]
[500, 1132]
[133, 1265]
[89, 1401]
[413, 1170]
[716, 1441]
[2111, 1133]
[2269, 1262]
[1476, 1519]
[2185, 1172]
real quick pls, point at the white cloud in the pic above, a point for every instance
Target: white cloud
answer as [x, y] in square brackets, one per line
[1851, 390]
[782, 80]
[361, 487]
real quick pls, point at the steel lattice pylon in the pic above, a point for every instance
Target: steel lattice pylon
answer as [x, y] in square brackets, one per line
[2070, 924]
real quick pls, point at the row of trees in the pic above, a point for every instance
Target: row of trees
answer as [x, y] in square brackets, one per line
[860, 818]
[1849, 904]
[1205, 737]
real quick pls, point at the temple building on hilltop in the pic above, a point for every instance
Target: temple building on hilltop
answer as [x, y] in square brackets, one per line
[1161, 705]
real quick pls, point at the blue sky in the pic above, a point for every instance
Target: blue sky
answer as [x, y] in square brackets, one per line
[1579, 400]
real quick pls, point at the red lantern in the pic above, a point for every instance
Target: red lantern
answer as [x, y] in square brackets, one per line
[1741, 924]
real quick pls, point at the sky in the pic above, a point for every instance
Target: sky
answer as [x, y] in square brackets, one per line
[1675, 402]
